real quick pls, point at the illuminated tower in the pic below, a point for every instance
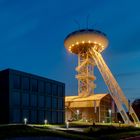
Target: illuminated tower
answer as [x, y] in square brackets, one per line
[88, 44]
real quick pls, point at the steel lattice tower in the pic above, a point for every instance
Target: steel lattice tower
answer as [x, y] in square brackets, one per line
[88, 45]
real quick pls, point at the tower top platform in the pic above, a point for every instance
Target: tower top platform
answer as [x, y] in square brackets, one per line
[81, 40]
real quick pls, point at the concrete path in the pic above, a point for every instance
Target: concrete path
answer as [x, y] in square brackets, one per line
[69, 129]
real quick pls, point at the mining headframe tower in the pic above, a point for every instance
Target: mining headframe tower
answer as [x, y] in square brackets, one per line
[88, 44]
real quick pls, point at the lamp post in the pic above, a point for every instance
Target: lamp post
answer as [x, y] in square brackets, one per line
[45, 122]
[77, 112]
[67, 124]
[25, 121]
[110, 115]
[66, 114]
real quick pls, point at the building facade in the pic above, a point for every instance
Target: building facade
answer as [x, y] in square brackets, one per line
[24, 95]
[93, 108]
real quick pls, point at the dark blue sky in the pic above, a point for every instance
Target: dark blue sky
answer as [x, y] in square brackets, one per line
[32, 34]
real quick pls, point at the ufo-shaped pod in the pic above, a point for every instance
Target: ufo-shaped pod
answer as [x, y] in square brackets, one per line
[80, 41]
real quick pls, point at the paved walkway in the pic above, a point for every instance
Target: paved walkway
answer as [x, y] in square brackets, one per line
[68, 129]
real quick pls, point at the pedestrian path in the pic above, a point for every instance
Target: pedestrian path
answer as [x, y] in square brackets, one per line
[72, 129]
[67, 129]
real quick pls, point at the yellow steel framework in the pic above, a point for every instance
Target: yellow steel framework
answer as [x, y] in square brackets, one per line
[88, 45]
[115, 90]
[85, 74]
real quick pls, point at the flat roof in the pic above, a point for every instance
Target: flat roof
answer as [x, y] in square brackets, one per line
[30, 75]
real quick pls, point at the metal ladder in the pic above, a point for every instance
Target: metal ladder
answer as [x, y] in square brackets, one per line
[114, 89]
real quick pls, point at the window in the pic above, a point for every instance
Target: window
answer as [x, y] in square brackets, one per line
[33, 100]
[25, 114]
[48, 102]
[25, 83]
[41, 116]
[48, 116]
[54, 117]
[54, 103]
[60, 91]
[48, 89]
[60, 103]
[34, 85]
[16, 81]
[41, 86]
[25, 99]
[15, 115]
[33, 117]
[60, 117]
[15, 99]
[54, 90]
[41, 101]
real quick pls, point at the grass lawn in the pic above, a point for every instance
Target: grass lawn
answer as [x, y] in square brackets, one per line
[114, 131]
[97, 132]
[9, 131]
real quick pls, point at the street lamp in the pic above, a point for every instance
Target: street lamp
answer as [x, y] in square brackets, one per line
[110, 115]
[77, 112]
[45, 122]
[25, 121]
[67, 124]
[66, 112]
[119, 123]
